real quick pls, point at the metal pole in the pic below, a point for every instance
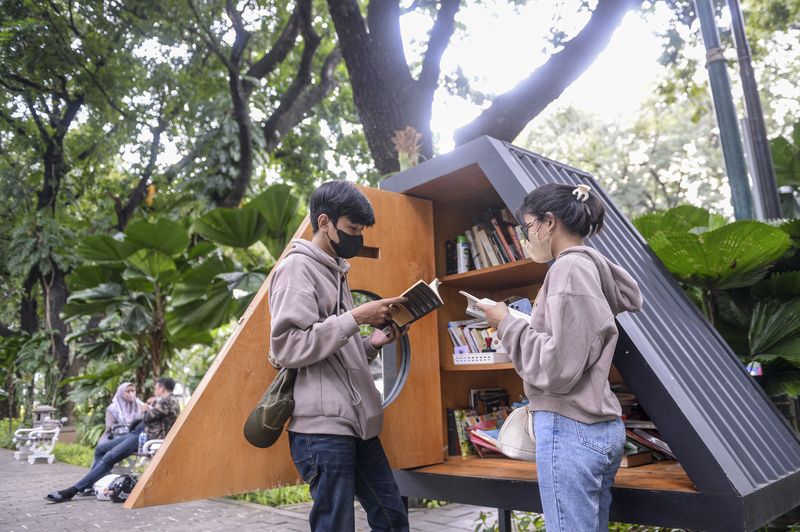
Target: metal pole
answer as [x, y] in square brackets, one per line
[764, 177]
[726, 113]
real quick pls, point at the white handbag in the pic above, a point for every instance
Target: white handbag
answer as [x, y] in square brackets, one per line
[516, 438]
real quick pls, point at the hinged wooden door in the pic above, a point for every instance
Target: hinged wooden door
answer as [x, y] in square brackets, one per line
[205, 454]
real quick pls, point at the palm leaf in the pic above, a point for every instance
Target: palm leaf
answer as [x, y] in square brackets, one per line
[105, 248]
[239, 228]
[163, 235]
[775, 330]
[737, 254]
[149, 263]
[781, 286]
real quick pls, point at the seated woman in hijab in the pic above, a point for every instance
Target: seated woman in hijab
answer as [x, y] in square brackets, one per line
[123, 412]
[125, 408]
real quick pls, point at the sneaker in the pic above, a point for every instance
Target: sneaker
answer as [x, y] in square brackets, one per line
[61, 496]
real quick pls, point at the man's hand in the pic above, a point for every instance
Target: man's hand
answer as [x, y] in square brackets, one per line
[379, 339]
[375, 313]
[494, 313]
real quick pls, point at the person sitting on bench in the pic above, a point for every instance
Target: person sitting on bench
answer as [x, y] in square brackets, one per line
[123, 412]
[158, 415]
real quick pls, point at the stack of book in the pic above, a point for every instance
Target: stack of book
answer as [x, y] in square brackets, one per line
[495, 240]
[470, 433]
[643, 444]
[475, 337]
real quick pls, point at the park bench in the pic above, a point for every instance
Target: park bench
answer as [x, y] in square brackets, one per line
[39, 441]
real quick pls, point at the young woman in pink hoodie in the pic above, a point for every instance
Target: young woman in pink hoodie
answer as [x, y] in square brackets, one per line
[564, 353]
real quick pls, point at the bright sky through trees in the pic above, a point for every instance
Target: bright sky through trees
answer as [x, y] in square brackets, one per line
[504, 43]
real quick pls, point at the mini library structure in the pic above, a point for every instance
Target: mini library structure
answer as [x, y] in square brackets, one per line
[706, 447]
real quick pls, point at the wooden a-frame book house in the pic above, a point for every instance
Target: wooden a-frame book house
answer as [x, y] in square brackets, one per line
[738, 461]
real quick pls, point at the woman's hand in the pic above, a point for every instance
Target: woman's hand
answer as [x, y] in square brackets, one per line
[379, 339]
[494, 313]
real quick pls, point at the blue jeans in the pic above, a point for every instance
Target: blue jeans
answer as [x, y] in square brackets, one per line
[577, 464]
[339, 468]
[106, 455]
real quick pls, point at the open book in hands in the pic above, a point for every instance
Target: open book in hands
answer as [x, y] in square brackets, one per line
[475, 312]
[421, 299]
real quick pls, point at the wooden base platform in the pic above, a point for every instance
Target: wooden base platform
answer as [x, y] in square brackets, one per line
[662, 476]
[659, 494]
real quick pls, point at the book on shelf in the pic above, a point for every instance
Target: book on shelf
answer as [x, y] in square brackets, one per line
[515, 242]
[501, 237]
[486, 400]
[636, 459]
[461, 422]
[477, 260]
[650, 440]
[451, 259]
[421, 298]
[521, 239]
[453, 445]
[486, 245]
[498, 248]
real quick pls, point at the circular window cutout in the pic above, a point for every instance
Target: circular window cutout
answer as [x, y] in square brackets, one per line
[390, 368]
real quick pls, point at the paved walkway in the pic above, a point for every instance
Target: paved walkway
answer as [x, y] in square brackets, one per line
[22, 507]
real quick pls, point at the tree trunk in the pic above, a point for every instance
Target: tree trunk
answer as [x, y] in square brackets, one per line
[54, 288]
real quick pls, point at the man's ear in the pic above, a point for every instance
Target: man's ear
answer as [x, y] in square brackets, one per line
[322, 221]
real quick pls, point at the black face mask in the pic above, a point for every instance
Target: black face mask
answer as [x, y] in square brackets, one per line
[348, 245]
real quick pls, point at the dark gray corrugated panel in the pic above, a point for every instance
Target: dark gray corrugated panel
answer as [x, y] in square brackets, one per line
[733, 416]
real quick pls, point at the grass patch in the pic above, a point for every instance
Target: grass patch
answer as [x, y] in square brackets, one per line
[7, 428]
[277, 496]
[75, 454]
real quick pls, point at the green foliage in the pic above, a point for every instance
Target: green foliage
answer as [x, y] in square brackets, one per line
[732, 272]
[278, 496]
[7, 428]
[74, 453]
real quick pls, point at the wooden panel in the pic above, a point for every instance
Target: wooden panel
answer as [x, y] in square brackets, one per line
[662, 476]
[205, 454]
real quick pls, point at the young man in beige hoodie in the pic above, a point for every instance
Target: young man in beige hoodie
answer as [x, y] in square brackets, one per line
[338, 413]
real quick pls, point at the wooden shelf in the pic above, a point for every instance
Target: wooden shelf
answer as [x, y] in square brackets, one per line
[511, 275]
[477, 367]
[661, 476]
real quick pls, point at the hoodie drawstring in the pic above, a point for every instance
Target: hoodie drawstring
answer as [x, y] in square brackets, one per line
[355, 396]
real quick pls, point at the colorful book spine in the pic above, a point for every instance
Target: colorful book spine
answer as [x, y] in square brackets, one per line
[498, 229]
[473, 248]
[512, 233]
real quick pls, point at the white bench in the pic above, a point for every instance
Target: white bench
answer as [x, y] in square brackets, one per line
[38, 442]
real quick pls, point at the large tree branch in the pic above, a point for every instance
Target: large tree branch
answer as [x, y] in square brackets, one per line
[302, 79]
[383, 20]
[137, 195]
[441, 33]
[283, 45]
[242, 35]
[307, 101]
[36, 119]
[511, 112]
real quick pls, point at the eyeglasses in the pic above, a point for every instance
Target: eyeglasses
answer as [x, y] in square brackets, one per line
[526, 228]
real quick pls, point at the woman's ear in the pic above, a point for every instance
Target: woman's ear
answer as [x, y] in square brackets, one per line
[549, 222]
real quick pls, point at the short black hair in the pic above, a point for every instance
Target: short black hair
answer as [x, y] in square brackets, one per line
[337, 199]
[167, 383]
[583, 218]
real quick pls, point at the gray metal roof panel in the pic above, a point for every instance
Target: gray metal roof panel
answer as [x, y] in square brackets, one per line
[727, 434]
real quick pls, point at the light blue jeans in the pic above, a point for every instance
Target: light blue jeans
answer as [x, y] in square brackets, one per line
[577, 464]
